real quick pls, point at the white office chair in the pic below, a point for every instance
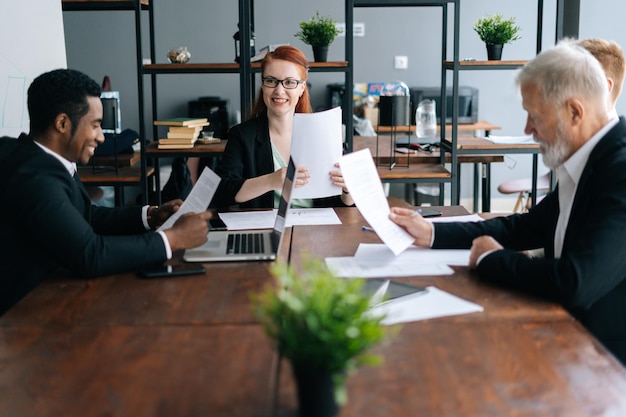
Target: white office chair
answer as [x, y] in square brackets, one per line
[523, 188]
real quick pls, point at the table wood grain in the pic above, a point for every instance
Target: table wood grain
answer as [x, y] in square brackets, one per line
[190, 346]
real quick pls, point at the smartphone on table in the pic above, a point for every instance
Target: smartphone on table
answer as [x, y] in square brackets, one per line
[428, 212]
[162, 271]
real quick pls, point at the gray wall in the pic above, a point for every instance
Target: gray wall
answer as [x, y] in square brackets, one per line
[102, 43]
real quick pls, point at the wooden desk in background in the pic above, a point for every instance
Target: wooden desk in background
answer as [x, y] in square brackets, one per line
[482, 127]
[419, 166]
[122, 345]
[122, 159]
[109, 177]
[465, 127]
[468, 145]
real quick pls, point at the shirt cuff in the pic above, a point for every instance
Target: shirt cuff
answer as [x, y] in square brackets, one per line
[144, 217]
[166, 243]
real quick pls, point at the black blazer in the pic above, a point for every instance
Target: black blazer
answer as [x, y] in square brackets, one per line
[47, 220]
[589, 278]
[248, 154]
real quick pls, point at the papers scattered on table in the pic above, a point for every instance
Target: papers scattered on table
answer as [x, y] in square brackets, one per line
[349, 266]
[511, 140]
[264, 219]
[373, 260]
[422, 306]
[418, 256]
[312, 216]
[198, 199]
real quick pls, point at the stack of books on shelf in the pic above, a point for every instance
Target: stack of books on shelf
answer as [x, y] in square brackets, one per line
[183, 132]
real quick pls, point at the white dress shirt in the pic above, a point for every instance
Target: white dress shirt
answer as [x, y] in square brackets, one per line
[568, 175]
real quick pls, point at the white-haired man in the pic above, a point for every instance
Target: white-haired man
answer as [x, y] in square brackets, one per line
[581, 223]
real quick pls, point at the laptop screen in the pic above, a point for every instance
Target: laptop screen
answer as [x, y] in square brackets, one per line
[285, 197]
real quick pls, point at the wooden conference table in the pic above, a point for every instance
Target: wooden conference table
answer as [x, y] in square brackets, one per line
[189, 346]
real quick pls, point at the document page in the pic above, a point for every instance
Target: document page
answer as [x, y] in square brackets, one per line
[317, 144]
[366, 189]
[509, 140]
[198, 199]
[414, 307]
[264, 219]
[414, 255]
[351, 267]
[453, 219]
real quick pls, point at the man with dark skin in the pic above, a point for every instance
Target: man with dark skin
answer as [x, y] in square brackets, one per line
[51, 222]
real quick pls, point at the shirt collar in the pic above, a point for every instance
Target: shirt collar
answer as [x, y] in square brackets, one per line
[576, 163]
[69, 165]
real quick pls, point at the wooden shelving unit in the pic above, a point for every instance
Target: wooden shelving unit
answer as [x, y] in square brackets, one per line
[127, 176]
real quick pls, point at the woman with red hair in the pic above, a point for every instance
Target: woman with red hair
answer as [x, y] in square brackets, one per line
[253, 165]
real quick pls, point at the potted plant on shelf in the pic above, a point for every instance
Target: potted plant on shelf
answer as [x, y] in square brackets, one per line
[496, 32]
[319, 32]
[320, 323]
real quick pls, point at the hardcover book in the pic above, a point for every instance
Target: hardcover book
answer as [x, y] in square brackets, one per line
[181, 121]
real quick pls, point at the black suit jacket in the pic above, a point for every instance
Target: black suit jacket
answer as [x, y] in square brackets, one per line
[589, 277]
[47, 220]
[248, 154]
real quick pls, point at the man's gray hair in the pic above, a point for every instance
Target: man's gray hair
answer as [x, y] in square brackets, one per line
[564, 71]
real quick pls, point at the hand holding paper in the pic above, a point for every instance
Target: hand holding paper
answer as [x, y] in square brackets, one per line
[366, 189]
[199, 197]
[317, 145]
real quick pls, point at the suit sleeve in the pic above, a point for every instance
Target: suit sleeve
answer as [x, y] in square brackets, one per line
[518, 231]
[231, 170]
[57, 220]
[592, 263]
[248, 154]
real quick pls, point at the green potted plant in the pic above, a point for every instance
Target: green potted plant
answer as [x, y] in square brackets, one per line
[319, 32]
[496, 31]
[320, 323]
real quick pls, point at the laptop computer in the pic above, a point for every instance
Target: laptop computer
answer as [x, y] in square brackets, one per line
[248, 245]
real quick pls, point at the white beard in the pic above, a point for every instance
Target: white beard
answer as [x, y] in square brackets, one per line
[557, 153]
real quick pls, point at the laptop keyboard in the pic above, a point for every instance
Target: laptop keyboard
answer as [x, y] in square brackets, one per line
[245, 243]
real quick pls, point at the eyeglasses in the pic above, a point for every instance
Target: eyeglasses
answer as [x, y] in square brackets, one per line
[288, 83]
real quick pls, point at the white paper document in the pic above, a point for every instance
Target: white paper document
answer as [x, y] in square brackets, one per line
[510, 140]
[415, 255]
[452, 219]
[264, 219]
[312, 216]
[366, 189]
[421, 306]
[198, 199]
[317, 144]
[373, 260]
[351, 267]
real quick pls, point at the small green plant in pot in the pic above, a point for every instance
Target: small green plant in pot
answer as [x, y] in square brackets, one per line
[319, 32]
[496, 31]
[320, 323]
